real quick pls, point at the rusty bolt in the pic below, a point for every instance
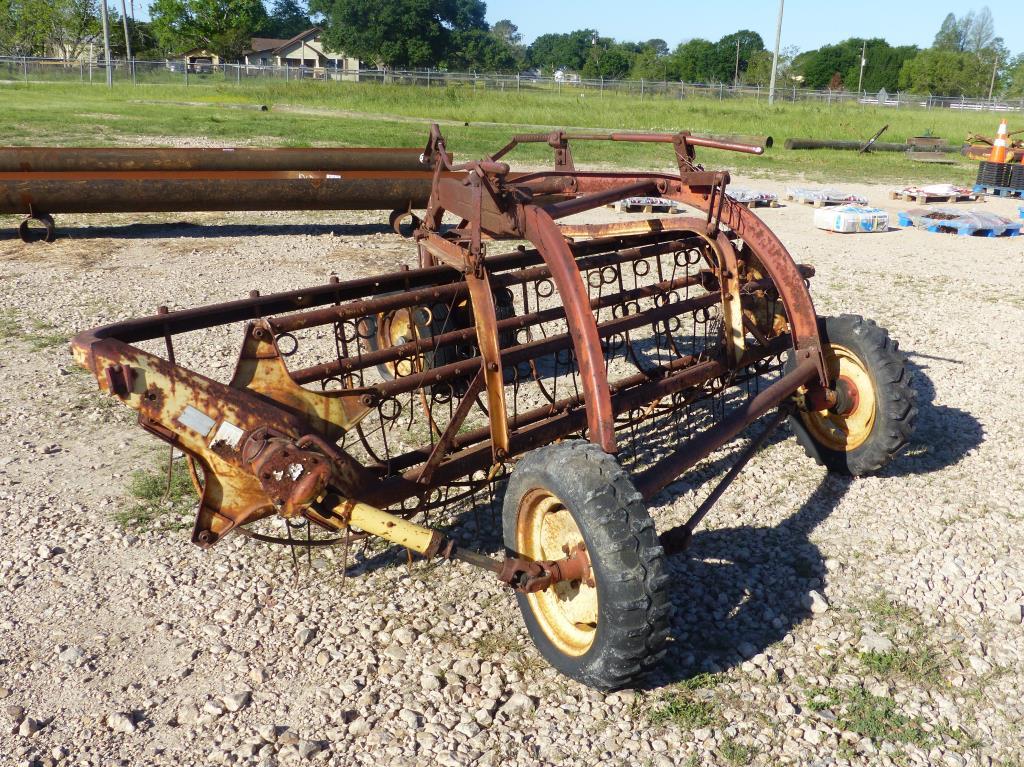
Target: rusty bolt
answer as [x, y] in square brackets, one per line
[492, 367]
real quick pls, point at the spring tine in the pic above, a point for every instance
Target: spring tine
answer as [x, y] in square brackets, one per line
[291, 547]
[309, 547]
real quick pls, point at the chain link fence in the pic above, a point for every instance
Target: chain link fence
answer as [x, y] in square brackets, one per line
[94, 71]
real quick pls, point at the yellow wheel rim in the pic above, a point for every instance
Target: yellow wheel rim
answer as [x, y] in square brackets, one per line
[844, 432]
[566, 612]
[395, 329]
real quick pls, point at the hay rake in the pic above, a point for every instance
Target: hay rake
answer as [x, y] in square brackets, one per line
[598, 361]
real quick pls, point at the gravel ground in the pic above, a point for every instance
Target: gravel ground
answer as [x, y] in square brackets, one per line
[816, 620]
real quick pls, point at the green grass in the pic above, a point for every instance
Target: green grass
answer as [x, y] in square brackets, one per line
[684, 707]
[916, 659]
[922, 665]
[316, 113]
[685, 713]
[880, 719]
[156, 504]
[37, 334]
[736, 753]
[9, 326]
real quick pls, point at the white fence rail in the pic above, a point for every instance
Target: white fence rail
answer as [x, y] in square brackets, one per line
[40, 70]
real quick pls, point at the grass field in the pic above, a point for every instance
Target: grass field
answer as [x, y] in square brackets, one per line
[313, 113]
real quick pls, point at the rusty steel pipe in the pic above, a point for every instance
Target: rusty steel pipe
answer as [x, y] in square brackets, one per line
[431, 343]
[186, 191]
[38, 159]
[550, 345]
[663, 473]
[306, 320]
[559, 420]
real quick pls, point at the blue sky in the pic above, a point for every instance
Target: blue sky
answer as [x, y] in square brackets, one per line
[808, 23]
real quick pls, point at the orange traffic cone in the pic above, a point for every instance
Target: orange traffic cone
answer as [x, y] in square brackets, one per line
[1001, 145]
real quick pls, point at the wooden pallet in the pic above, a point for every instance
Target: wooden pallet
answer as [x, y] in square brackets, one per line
[928, 199]
[999, 191]
[822, 203]
[762, 204]
[962, 229]
[623, 207]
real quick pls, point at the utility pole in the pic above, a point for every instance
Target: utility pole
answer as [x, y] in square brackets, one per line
[992, 85]
[106, 41]
[775, 58]
[736, 79]
[863, 61]
[127, 40]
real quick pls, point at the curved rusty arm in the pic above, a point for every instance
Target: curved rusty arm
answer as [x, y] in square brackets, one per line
[781, 269]
[542, 231]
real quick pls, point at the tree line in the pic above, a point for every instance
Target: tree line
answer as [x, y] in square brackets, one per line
[966, 58]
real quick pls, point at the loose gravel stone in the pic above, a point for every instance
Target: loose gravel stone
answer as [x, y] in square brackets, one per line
[120, 722]
[802, 595]
[237, 701]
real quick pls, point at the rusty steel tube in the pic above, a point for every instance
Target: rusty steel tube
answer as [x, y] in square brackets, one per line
[36, 159]
[663, 473]
[183, 191]
[550, 345]
[430, 343]
[291, 323]
[560, 419]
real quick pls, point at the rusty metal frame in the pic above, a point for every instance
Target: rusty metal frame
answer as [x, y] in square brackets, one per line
[251, 435]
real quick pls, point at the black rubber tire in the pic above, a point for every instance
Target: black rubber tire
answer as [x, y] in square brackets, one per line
[896, 399]
[628, 561]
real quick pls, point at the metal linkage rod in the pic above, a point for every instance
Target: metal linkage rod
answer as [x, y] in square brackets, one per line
[678, 538]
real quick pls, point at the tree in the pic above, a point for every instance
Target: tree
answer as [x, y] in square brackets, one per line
[648, 65]
[144, 42]
[883, 69]
[562, 51]
[1014, 77]
[946, 73]
[479, 49]
[972, 32]
[223, 27]
[287, 19]
[508, 32]
[759, 68]
[398, 33]
[656, 45]
[982, 32]
[608, 60]
[47, 27]
[951, 35]
[694, 61]
[725, 53]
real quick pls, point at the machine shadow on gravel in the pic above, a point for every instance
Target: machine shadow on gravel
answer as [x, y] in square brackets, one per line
[739, 590]
[189, 230]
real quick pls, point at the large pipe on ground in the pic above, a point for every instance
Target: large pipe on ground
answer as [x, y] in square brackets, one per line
[810, 143]
[189, 191]
[92, 159]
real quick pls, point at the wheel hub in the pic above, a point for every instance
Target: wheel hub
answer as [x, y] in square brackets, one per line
[848, 423]
[566, 611]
